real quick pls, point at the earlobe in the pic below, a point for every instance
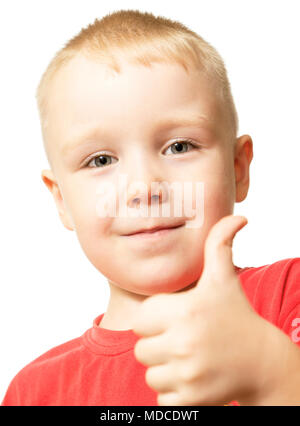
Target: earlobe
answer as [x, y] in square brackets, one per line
[242, 160]
[51, 182]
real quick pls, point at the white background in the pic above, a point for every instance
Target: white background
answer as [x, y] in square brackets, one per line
[50, 292]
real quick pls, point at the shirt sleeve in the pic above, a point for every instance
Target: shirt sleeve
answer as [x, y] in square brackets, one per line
[289, 317]
[11, 396]
[291, 325]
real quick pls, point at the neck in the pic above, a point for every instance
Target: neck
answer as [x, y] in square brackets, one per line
[122, 307]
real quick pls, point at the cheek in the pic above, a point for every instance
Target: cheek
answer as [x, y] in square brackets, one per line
[94, 232]
[220, 184]
[216, 187]
[83, 199]
[218, 199]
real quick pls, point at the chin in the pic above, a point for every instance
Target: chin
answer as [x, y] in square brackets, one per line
[150, 288]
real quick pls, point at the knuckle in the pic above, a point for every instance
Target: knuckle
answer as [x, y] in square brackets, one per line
[138, 350]
[194, 397]
[150, 377]
[167, 399]
[189, 373]
[185, 347]
[162, 399]
[184, 343]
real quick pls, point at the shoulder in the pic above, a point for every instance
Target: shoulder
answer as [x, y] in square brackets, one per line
[273, 289]
[42, 371]
[57, 352]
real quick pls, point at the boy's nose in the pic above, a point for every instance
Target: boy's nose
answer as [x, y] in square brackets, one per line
[147, 182]
[147, 195]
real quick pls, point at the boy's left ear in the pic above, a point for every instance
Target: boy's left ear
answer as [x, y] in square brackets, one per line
[242, 159]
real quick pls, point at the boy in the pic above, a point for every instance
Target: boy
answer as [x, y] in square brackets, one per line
[143, 97]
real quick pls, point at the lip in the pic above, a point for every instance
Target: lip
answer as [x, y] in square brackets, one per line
[154, 229]
[154, 233]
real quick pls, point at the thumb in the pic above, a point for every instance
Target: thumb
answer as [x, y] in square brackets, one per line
[218, 247]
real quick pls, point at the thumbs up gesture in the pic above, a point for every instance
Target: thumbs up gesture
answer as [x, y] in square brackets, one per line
[205, 345]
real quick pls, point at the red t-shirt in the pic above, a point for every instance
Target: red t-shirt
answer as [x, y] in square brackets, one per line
[99, 367]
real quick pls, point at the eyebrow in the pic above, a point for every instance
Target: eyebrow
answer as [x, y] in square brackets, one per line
[196, 121]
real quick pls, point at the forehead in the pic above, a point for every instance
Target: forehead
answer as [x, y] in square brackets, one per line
[86, 94]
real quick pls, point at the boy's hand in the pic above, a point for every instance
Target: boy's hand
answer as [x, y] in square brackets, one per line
[205, 345]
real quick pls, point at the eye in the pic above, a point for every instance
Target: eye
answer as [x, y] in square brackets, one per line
[181, 146]
[100, 161]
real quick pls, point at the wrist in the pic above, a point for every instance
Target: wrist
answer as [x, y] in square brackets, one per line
[277, 379]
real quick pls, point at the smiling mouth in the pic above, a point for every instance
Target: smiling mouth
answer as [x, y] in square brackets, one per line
[155, 232]
[151, 231]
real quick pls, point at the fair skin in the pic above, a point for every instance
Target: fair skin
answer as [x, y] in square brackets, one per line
[126, 109]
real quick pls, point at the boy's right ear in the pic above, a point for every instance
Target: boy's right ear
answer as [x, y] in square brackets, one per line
[51, 183]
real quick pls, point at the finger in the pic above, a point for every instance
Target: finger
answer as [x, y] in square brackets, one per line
[218, 247]
[179, 397]
[154, 315]
[161, 378]
[169, 399]
[152, 350]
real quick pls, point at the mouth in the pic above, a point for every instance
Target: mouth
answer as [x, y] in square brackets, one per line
[157, 231]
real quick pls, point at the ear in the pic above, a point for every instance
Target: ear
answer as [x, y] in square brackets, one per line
[51, 183]
[242, 159]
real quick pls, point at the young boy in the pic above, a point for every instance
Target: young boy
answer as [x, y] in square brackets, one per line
[143, 99]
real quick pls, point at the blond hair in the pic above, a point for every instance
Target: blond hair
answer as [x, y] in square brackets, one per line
[141, 38]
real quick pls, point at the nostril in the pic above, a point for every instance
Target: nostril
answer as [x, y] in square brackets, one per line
[156, 197]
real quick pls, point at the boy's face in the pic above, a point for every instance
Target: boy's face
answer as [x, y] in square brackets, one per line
[128, 110]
